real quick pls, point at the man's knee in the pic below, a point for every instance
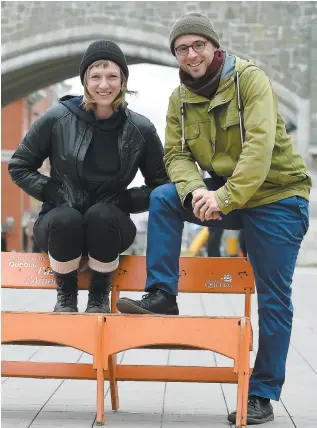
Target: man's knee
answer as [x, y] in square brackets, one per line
[164, 193]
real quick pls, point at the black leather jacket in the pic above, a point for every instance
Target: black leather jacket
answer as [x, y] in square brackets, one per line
[64, 138]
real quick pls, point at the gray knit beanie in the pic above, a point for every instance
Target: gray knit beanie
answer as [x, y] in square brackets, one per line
[193, 23]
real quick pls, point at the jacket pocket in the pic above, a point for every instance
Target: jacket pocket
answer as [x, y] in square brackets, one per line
[73, 197]
[277, 177]
[192, 131]
[199, 140]
[303, 208]
[229, 118]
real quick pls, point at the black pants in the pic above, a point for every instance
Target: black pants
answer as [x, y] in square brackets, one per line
[104, 232]
[243, 243]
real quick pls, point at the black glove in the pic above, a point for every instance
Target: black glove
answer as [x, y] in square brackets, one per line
[50, 191]
[124, 202]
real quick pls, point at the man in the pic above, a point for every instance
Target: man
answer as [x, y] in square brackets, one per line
[258, 183]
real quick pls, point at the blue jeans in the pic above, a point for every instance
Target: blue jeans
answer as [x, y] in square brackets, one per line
[273, 233]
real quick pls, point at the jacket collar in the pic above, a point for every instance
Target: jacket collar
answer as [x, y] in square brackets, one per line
[225, 90]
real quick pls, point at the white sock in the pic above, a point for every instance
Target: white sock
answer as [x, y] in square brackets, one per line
[64, 267]
[101, 267]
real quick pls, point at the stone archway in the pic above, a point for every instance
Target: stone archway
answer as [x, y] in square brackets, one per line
[42, 43]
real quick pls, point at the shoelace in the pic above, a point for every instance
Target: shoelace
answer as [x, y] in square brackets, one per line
[254, 402]
[147, 296]
[96, 299]
[66, 300]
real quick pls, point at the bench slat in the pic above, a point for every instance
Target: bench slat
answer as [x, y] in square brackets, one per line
[197, 275]
[28, 369]
[31, 271]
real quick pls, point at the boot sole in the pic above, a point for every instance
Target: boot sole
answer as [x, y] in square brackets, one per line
[126, 307]
[96, 311]
[251, 421]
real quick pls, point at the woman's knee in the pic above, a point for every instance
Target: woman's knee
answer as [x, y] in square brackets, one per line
[60, 232]
[101, 214]
[66, 219]
[105, 223]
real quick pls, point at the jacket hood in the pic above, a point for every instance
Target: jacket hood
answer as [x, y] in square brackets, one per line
[228, 67]
[75, 105]
[234, 63]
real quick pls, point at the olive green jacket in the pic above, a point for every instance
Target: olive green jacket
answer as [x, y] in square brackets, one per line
[265, 169]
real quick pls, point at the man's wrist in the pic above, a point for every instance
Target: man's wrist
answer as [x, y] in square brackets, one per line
[199, 188]
[223, 200]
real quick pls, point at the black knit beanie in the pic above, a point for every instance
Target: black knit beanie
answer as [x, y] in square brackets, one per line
[103, 49]
[193, 23]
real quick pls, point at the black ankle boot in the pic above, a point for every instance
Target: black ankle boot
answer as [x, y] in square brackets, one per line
[156, 302]
[67, 290]
[99, 290]
[259, 411]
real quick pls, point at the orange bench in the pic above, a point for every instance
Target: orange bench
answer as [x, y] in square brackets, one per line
[105, 335]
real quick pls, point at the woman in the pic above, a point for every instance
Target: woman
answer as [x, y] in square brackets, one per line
[95, 145]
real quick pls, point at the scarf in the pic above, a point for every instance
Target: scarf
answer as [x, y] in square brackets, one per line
[206, 85]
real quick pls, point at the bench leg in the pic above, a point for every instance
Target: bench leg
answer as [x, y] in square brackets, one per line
[242, 402]
[243, 378]
[100, 397]
[112, 363]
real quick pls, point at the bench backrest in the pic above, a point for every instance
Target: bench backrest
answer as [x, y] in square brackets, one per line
[197, 274]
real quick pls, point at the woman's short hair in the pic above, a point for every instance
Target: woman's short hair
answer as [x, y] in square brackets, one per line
[89, 103]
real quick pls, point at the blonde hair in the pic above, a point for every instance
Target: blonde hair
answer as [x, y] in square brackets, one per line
[88, 102]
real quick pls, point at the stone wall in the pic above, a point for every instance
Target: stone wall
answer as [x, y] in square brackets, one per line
[280, 36]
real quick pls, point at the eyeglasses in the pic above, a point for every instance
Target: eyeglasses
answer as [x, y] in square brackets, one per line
[198, 46]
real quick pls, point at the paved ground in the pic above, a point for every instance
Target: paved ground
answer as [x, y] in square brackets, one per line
[69, 403]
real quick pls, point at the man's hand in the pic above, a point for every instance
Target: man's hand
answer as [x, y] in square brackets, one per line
[204, 205]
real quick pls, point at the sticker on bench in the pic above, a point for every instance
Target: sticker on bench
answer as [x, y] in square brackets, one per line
[32, 270]
[43, 270]
[224, 282]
